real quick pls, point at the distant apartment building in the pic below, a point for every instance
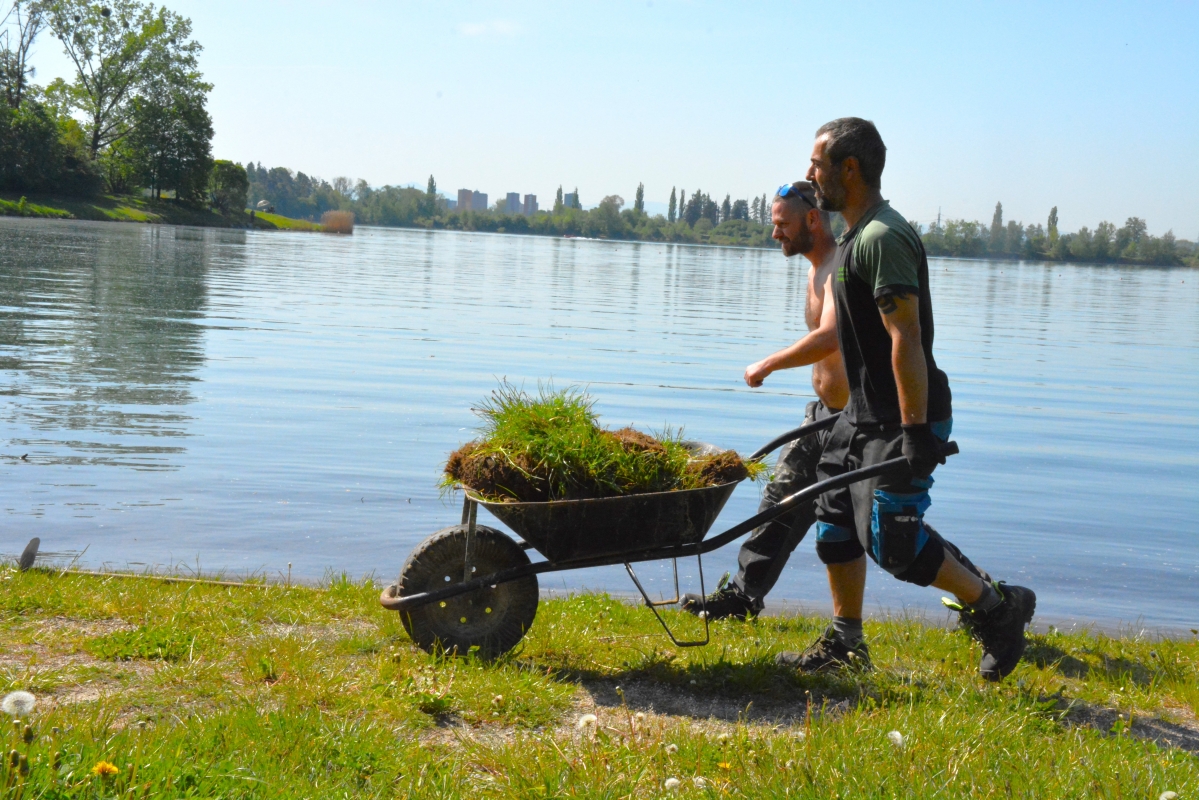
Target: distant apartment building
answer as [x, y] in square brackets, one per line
[471, 201]
[451, 205]
[512, 205]
[530, 206]
[571, 200]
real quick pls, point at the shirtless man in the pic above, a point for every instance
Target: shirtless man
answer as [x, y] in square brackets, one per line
[801, 228]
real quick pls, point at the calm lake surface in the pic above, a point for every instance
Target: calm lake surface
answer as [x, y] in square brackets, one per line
[246, 400]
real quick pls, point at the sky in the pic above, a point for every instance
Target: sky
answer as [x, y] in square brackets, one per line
[1090, 107]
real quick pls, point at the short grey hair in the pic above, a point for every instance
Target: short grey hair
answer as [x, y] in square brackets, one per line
[854, 137]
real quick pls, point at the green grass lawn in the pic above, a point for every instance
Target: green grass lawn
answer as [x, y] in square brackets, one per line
[134, 208]
[192, 690]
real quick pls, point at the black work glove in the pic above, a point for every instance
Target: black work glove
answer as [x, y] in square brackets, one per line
[922, 449]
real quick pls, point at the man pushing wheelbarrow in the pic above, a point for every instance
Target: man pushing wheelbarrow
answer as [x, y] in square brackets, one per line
[898, 404]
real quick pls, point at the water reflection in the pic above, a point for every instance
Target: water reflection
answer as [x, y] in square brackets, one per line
[101, 339]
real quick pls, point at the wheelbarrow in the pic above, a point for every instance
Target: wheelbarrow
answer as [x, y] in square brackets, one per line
[472, 589]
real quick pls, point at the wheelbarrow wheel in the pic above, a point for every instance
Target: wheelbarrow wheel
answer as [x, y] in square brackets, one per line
[492, 619]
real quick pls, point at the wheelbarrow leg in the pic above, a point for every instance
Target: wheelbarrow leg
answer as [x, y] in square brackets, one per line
[653, 606]
[470, 518]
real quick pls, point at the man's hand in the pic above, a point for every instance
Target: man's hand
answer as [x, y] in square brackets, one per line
[757, 372]
[922, 449]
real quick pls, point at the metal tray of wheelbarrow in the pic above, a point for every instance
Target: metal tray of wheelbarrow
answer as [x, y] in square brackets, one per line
[569, 530]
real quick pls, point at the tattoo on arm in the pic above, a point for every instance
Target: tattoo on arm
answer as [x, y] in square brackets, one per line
[887, 304]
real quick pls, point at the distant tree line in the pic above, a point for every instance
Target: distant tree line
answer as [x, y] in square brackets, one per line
[1129, 244]
[133, 117]
[702, 220]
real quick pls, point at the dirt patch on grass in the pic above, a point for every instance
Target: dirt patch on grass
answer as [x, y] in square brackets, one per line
[1181, 732]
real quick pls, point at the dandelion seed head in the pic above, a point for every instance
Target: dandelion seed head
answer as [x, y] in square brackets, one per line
[498, 700]
[672, 748]
[639, 716]
[700, 783]
[671, 785]
[587, 721]
[1168, 796]
[800, 735]
[18, 704]
[896, 738]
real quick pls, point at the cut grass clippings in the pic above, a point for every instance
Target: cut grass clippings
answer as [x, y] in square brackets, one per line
[550, 446]
[316, 692]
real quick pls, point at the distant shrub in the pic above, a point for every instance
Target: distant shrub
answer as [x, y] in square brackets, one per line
[338, 222]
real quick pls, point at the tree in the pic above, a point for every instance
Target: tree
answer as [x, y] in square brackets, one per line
[116, 51]
[997, 237]
[639, 199]
[682, 204]
[228, 185]
[1052, 226]
[170, 135]
[15, 71]
[431, 189]
[741, 209]
[726, 209]
[672, 207]
[578, 203]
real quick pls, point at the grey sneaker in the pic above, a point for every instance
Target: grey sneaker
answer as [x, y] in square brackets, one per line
[1001, 630]
[726, 601]
[826, 654]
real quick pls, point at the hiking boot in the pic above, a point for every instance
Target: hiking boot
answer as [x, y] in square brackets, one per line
[1001, 630]
[826, 654]
[726, 601]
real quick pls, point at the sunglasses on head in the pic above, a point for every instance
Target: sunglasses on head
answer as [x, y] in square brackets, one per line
[788, 189]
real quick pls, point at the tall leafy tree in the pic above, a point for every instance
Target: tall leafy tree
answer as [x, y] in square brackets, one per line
[639, 199]
[578, 203]
[26, 20]
[682, 204]
[116, 50]
[558, 201]
[726, 209]
[170, 136]
[672, 207]
[431, 188]
[1052, 226]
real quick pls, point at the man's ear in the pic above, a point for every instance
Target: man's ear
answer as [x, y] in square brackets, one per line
[850, 168]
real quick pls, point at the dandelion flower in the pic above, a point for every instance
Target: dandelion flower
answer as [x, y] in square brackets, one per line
[18, 704]
[587, 721]
[700, 783]
[671, 785]
[896, 738]
[105, 769]
[672, 748]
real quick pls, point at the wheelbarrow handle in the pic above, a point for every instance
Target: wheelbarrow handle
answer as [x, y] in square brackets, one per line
[809, 494]
[792, 435]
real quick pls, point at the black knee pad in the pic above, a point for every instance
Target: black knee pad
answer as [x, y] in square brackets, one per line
[836, 544]
[899, 541]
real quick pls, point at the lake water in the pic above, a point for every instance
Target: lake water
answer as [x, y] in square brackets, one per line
[245, 400]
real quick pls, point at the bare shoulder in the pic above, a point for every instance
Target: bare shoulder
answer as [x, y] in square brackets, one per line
[821, 278]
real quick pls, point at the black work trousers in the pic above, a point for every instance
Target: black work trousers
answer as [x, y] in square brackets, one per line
[765, 552]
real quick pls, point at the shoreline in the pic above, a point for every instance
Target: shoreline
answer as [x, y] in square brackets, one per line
[776, 608]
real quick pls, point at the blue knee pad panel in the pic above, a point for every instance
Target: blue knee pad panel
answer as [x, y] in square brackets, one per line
[897, 533]
[827, 532]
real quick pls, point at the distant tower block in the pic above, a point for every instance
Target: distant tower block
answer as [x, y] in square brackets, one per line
[478, 201]
[512, 205]
[464, 201]
[530, 207]
[570, 199]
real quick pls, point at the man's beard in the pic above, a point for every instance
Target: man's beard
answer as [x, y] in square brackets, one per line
[830, 197]
[801, 244]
